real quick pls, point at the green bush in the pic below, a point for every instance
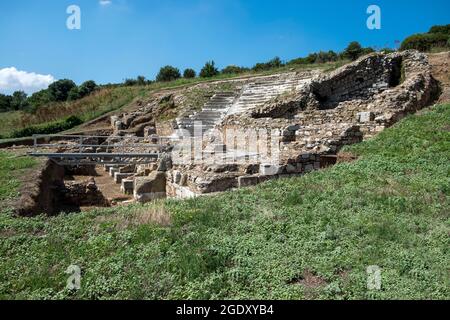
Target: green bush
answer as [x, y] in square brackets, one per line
[425, 42]
[189, 73]
[353, 51]
[48, 128]
[232, 69]
[168, 73]
[272, 64]
[440, 29]
[209, 70]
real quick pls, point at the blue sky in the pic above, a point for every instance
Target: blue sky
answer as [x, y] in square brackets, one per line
[125, 38]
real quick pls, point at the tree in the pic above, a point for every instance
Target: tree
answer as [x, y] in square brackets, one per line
[59, 90]
[189, 73]
[209, 70]
[140, 81]
[86, 88]
[74, 94]
[38, 99]
[19, 100]
[353, 51]
[168, 73]
[5, 102]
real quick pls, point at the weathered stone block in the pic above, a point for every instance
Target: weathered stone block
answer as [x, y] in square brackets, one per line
[150, 188]
[113, 170]
[118, 177]
[245, 181]
[127, 186]
[365, 117]
[269, 169]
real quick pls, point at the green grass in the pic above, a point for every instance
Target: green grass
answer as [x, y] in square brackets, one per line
[389, 208]
[10, 167]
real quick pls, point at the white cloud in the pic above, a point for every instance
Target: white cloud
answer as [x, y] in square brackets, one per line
[105, 2]
[12, 80]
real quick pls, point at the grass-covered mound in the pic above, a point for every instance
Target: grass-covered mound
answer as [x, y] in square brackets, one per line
[306, 237]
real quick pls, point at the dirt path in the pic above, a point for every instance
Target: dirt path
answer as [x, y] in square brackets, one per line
[440, 63]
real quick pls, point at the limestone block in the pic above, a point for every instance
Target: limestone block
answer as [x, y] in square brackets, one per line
[127, 186]
[113, 120]
[291, 168]
[365, 117]
[113, 170]
[118, 177]
[269, 169]
[149, 131]
[177, 177]
[151, 187]
[127, 169]
[245, 181]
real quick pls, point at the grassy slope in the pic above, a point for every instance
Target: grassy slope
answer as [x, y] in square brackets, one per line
[390, 208]
[111, 99]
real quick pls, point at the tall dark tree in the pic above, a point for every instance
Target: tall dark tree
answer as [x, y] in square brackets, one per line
[141, 81]
[209, 70]
[189, 73]
[59, 90]
[353, 51]
[86, 88]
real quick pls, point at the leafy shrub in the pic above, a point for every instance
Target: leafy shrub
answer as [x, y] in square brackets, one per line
[48, 128]
[272, 64]
[232, 69]
[38, 99]
[329, 56]
[189, 73]
[209, 70]
[168, 73]
[424, 42]
[74, 94]
[445, 29]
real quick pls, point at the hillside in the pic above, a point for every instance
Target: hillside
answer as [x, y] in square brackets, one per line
[300, 238]
[114, 99]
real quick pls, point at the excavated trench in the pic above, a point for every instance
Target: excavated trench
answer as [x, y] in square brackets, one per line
[54, 189]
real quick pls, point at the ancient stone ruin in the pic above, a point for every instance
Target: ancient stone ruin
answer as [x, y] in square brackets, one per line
[268, 127]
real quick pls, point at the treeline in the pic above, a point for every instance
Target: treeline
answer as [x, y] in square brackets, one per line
[353, 51]
[61, 90]
[437, 37]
